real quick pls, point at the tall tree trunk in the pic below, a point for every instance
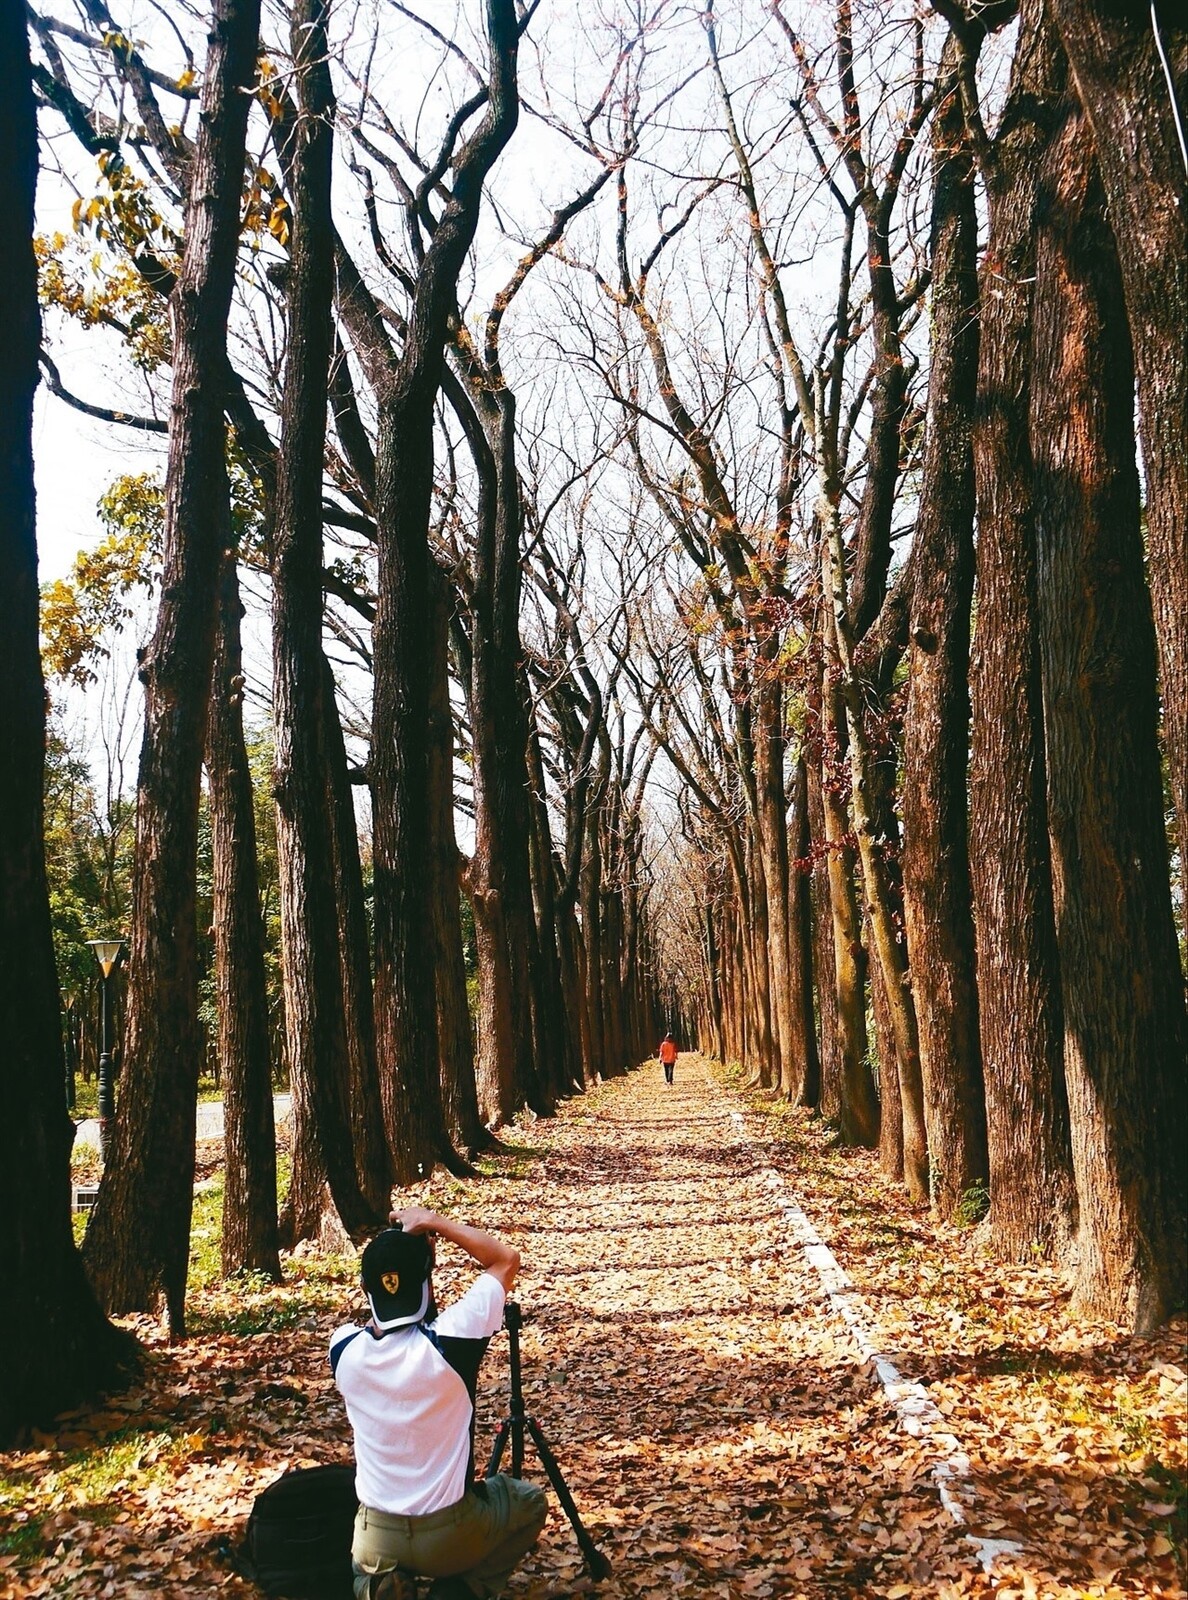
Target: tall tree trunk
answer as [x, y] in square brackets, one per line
[938, 898]
[590, 901]
[500, 869]
[249, 1190]
[1032, 1200]
[138, 1240]
[771, 820]
[713, 973]
[57, 1350]
[1130, 66]
[859, 1109]
[806, 1086]
[891, 1119]
[824, 962]
[454, 1039]
[373, 1159]
[405, 985]
[887, 947]
[1125, 1037]
[558, 1048]
[315, 1023]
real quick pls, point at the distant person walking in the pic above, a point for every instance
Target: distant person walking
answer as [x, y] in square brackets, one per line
[668, 1056]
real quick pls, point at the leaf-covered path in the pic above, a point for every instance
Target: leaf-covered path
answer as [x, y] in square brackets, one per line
[715, 1425]
[709, 1408]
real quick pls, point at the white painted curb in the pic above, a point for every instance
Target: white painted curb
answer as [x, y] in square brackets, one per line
[913, 1405]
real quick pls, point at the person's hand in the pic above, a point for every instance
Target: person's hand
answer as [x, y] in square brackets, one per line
[415, 1219]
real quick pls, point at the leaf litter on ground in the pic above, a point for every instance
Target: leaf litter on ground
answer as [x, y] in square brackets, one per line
[711, 1414]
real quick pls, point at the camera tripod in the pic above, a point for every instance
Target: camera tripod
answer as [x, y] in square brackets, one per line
[513, 1427]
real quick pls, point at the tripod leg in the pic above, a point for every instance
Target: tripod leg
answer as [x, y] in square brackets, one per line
[497, 1452]
[596, 1562]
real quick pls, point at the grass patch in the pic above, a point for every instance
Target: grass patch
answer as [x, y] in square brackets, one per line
[89, 1482]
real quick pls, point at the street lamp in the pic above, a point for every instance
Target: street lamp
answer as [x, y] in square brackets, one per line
[107, 954]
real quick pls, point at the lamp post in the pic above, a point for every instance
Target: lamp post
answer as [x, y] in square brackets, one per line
[107, 953]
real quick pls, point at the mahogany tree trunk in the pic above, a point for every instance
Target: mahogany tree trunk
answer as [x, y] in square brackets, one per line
[56, 1348]
[1125, 1038]
[557, 1043]
[315, 1026]
[454, 1038]
[859, 1107]
[1032, 1200]
[138, 1240]
[373, 1160]
[406, 1017]
[825, 987]
[245, 1066]
[938, 906]
[1130, 66]
[805, 1087]
[500, 870]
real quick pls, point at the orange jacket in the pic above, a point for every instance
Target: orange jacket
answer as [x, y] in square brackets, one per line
[668, 1052]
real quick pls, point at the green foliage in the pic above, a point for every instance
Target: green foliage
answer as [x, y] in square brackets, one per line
[79, 614]
[973, 1205]
[88, 849]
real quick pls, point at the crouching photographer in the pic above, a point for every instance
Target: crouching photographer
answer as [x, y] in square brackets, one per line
[408, 1378]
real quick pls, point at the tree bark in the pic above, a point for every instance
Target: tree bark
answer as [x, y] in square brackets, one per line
[806, 1087]
[245, 1067]
[315, 1024]
[1130, 66]
[1032, 1200]
[454, 1039]
[57, 1350]
[872, 846]
[373, 1159]
[938, 903]
[1125, 1037]
[405, 985]
[138, 1240]
[859, 1107]
[823, 949]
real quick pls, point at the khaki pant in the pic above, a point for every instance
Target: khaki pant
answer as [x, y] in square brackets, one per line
[479, 1538]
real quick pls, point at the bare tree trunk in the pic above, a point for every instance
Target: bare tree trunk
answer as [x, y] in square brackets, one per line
[249, 1189]
[1125, 1035]
[859, 1108]
[407, 390]
[454, 1040]
[558, 1044]
[1130, 66]
[315, 1022]
[887, 947]
[138, 1240]
[1032, 1200]
[938, 903]
[57, 1350]
[824, 961]
[500, 870]
[805, 1089]
[891, 1121]
[373, 1160]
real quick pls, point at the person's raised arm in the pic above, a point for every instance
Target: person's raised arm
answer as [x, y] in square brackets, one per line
[501, 1260]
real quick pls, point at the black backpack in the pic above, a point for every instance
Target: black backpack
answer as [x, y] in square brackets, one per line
[298, 1541]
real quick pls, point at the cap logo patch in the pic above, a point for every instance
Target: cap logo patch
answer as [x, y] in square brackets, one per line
[391, 1282]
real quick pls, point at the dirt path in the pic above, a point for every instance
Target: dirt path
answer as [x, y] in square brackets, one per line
[685, 1364]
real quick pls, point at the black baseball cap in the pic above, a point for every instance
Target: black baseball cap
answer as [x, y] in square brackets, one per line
[396, 1268]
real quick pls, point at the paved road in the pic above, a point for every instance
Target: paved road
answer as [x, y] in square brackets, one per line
[210, 1120]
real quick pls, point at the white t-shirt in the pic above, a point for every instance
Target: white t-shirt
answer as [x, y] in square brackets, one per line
[410, 1402]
